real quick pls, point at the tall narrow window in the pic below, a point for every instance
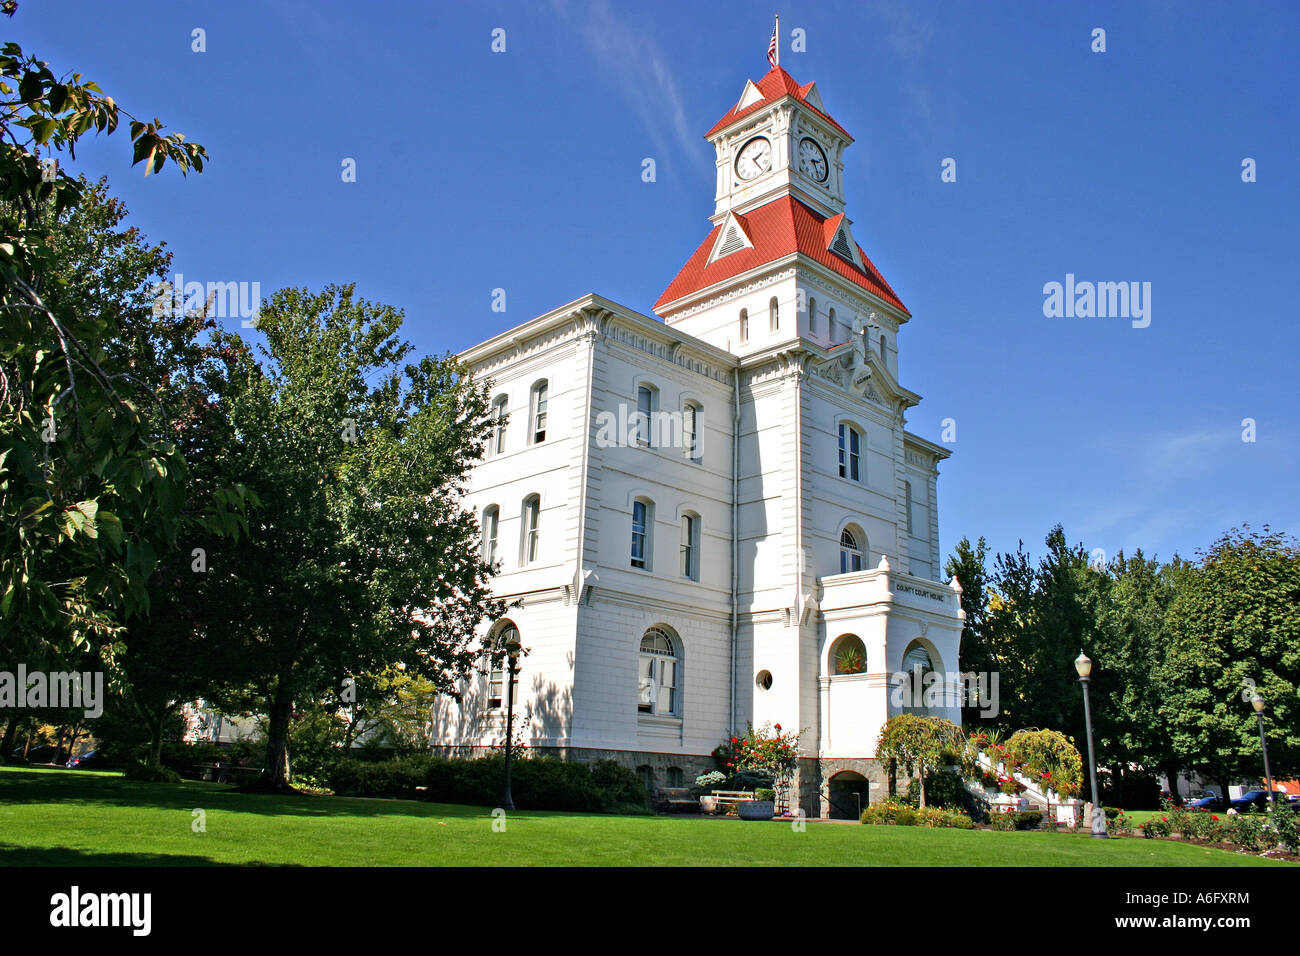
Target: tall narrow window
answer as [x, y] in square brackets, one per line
[907, 495]
[497, 444]
[657, 674]
[773, 314]
[850, 452]
[850, 552]
[532, 520]
[744, 325]
[831, 333]
[540, 391]
[645, 409]
[691, 547]
[812, 315]
[640, 534]
[490, 522]
[498, 671]
[882, 348]
[691, 431]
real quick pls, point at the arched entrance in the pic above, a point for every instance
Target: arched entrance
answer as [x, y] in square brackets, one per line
[848, 793]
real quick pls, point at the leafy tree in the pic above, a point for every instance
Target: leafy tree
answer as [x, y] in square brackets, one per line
[919, 743]
[968, 565]
[89, 491]
[1233, 626]
[361, 555]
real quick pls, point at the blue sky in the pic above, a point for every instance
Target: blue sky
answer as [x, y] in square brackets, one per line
[521, 170]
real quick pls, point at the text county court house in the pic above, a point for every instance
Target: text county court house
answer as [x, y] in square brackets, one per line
[720, 517]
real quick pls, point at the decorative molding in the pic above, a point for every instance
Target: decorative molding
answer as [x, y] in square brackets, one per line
[734, 293]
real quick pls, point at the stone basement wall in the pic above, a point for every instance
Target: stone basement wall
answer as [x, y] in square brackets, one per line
[814, 777]
[691, 765]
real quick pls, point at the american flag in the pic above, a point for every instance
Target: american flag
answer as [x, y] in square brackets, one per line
[771, 50]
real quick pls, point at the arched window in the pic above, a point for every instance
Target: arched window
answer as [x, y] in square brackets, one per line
[917, 658]
[539, 411]
[532, 514]
[497, 443]
[643, 511]
[658, 674]
[851, 548]
[499, 666]
[647, 403]
[907, 503]
[773, 314]
[850, 452]
[491, 519]
[691, 412]
[812, 315]
[691, 546]
[744, 325]
[848, 655]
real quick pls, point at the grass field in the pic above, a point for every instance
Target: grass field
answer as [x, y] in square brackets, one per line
[82, 818]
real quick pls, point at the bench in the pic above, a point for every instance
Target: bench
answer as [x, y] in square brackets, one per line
[668, 799]
[724, 799]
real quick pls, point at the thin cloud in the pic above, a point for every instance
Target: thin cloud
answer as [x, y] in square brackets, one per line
[644, 73]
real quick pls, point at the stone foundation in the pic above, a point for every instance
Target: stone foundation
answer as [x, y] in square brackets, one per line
[655, 769]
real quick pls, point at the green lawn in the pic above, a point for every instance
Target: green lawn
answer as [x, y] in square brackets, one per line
[79, 818]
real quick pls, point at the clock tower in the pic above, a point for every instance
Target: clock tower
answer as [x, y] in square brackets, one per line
[778, 140]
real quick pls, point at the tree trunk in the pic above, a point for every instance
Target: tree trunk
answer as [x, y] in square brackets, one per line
[154, 760]
[11, 732]
[921, 778]
[275, 775]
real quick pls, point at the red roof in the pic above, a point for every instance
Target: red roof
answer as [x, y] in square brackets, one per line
[776, 84]
[777, 229]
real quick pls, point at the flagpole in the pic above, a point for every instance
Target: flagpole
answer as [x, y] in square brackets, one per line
[778, 39]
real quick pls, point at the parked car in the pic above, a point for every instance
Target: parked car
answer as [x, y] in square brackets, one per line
[90, 760]
[1257, 800]
[1212, 802]
[45, 753]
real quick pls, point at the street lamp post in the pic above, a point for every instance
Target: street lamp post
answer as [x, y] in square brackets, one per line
[1084, 666]
[1257, 702]
[511, 641]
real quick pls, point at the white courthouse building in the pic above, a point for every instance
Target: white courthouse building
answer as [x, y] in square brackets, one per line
[717, 516]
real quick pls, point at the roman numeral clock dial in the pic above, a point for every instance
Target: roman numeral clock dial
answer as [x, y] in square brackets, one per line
[754, 159]
[812, 160]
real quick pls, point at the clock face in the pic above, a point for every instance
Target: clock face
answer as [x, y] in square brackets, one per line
[754, 159]
[812, 160]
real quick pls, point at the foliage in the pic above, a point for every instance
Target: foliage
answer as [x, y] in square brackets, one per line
[1285, 822]
[1234, 627]
[393, 778]
[1048, 757]
[1002, 819]
[711, 780]
[1156, 827]
[945, 788]
[764, 793]
[143, 773]
[919, 743]
[360, 458]
[90, 482]
[884, 811]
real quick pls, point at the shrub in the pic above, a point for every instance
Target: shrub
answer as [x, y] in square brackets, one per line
[1119, 823]
[144, 774]
[1285, 821]
[623, 788]
[1002, 820]
[958, 820]
[749, 780]
[395, 778]
[1249, 832]
[764, 793]
[1204, 825]
[1028, 819]
[1156, 828]
[711, 780]
[930, 817]
[905, 817]
[884, 812]
[543, 783]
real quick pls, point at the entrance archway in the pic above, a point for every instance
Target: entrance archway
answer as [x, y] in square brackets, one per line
[848, 793]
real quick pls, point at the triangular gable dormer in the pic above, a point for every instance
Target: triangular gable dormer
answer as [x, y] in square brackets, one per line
[732, 237]
[749, 96]
[840, 241]
[812, 97]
